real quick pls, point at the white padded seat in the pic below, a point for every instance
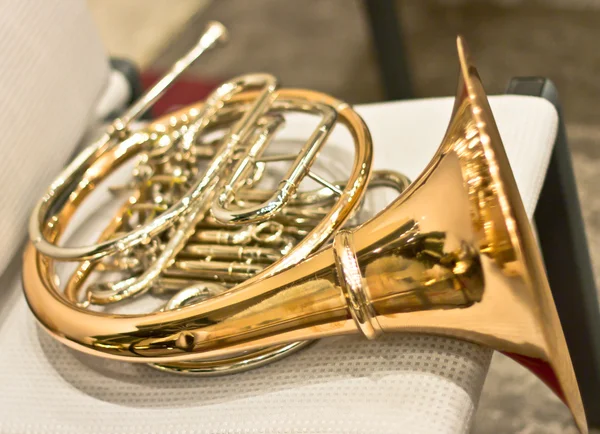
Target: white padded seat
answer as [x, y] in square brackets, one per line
[400, 383]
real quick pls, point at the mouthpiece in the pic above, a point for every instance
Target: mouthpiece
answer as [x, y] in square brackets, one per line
[214, 33]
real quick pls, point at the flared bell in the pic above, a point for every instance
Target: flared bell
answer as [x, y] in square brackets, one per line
[454, 255]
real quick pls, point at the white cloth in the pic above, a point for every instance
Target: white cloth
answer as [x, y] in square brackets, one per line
[400, 383]
[52, 72]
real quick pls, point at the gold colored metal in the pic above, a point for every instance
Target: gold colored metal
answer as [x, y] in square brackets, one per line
[178, 267]
[214, 34]
[454, 255]
[321, 229]
[165, 240]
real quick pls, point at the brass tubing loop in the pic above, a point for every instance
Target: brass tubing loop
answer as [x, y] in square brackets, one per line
[454, 255]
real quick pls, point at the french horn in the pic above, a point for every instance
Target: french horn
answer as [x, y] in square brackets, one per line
[454, 255]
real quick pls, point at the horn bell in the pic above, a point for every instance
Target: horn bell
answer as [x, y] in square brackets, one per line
[454, 255]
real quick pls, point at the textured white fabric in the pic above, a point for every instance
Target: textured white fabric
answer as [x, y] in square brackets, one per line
[53, 69]
[402, 383]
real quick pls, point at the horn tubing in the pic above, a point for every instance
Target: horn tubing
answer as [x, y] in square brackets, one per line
[49, 304]
[214, 34]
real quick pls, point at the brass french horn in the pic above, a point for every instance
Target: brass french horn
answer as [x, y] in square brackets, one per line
[195, 221]
[454, 255]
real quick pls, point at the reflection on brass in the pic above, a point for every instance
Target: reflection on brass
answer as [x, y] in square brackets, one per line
[195, 219]
[453, 255]
[420, 273]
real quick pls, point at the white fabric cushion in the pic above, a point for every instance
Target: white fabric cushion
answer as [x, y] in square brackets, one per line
[400, 383]
[53, 70]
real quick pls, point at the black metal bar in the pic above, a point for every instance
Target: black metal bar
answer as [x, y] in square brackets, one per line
[131, 73]
[391, 54]
[564, 246]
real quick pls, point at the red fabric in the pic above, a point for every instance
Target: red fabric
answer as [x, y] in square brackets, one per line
[542, 370]
[185, 90]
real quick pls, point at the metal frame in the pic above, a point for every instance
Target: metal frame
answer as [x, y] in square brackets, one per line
[387, 37]
[131, 74]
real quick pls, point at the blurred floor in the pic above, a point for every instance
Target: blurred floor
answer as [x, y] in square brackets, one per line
[325, 45]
